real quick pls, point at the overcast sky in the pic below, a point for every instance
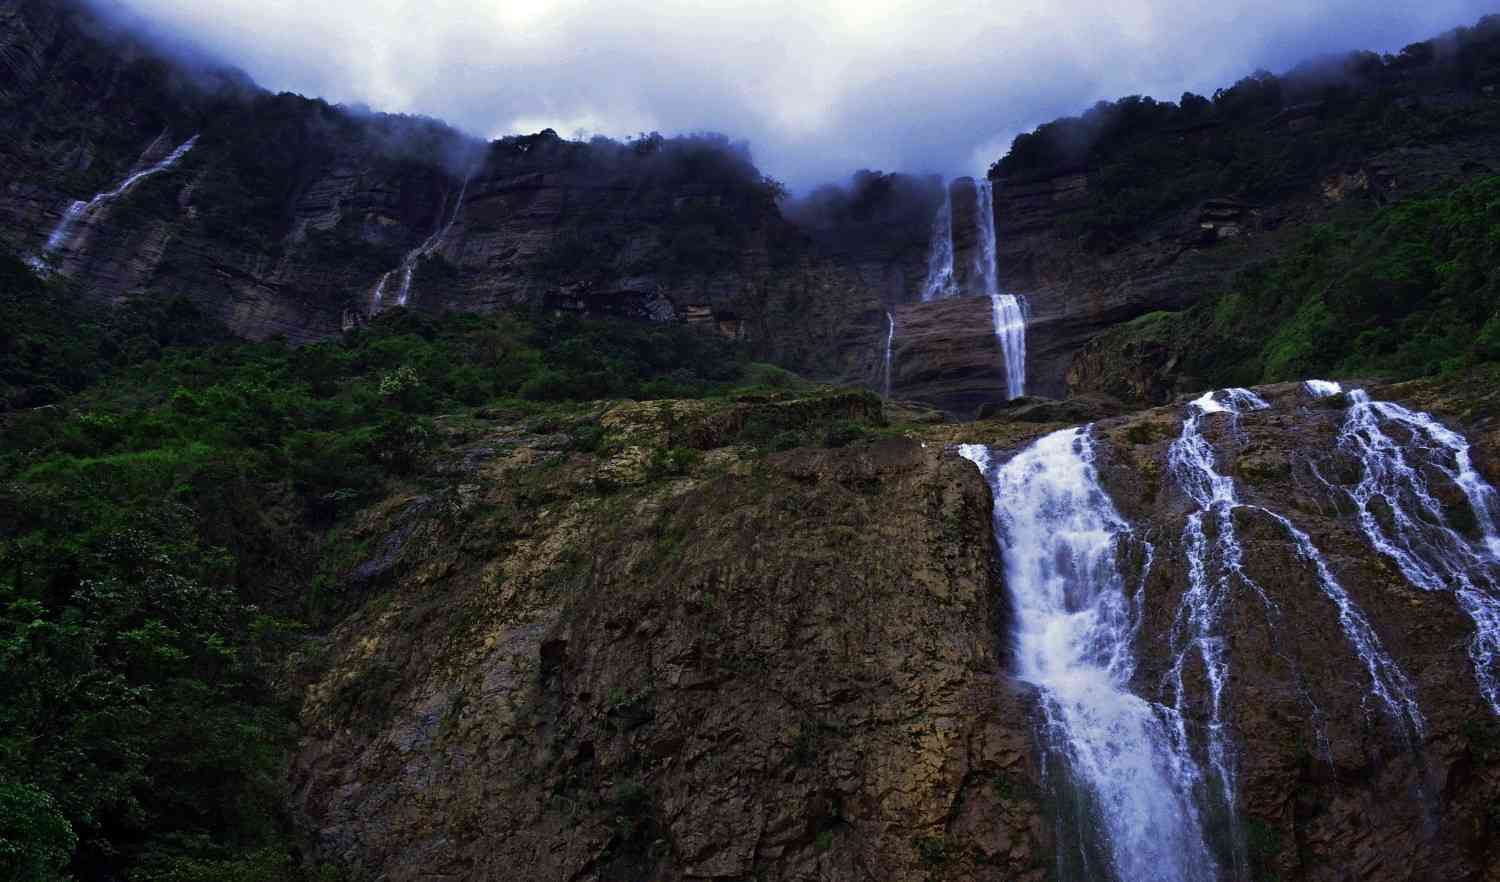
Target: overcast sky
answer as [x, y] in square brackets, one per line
[818, 87]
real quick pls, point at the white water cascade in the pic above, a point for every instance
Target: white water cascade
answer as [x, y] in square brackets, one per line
[1214, 570]
[1010, 329]
[408, 267]
[62, 235]
[1005, 309]
[1406, 523]
[1074, 629]
[1212, 574]
[890, 340]
[940, 282]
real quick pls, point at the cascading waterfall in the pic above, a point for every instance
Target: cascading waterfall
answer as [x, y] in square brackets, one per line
[408, 267]
[1074, 632]
[1406, 523]
[1198, 626]
[62, 235]
[940, 282]
[1005, 309]
[1199, 623]
[890, 340]
[1010, 329]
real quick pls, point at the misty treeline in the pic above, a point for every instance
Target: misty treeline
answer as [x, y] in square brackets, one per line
[1465, 60]
[872, 204]
[707, 162]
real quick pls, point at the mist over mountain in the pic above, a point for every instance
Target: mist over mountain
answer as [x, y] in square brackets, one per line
[818, 89]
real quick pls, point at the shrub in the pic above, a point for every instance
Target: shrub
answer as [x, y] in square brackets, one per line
[844, 433]
[672, 462]
[36, 841]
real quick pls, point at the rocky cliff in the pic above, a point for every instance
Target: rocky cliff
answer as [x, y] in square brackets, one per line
[796, 666]
[288, 213]
[1141, 206]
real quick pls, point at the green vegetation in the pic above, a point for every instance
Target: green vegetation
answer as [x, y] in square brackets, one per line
[1403, 291]
[711, 200]
[158, 518]
[1264, 137]
[55, 342]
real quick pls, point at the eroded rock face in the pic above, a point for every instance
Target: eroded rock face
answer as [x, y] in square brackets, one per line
[785, 671]
[945, 354]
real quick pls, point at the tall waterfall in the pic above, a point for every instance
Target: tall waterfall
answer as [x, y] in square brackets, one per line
[1406, 523]
[62, 235]
[1005, 309]
[1074, 628]
[1010, 329]
[940, 282]
[987, 259]
[890, 340]
[408, 267]
[1214, 570]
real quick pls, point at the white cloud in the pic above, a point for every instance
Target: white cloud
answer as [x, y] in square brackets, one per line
[819, 87]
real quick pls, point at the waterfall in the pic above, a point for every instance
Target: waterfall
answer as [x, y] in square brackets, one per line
[1005, 309]
[427, 248]
[62, 235]
[940, 282]
[377, 296]
[1403, 520]
[408, 267]
[1074, 630]
[890, 339]
[1213, 572]
[1198, 625]
[1010, 330]
[987, 261]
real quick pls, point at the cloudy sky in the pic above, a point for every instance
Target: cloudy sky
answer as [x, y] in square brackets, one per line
[819, 87]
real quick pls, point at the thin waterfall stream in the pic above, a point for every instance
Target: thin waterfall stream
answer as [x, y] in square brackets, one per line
[890, 340]
[1215, 568]
[62, 235]
[1404, 521]
[940, 282]
[408, 267]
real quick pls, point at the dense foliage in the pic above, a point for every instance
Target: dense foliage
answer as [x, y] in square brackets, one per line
[1265, 137]
[157, 529]
[1402, 291]
[696, 202]
[875, 209]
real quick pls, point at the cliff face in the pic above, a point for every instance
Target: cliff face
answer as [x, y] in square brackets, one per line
[782, 667]
[287, 213]
[798, 665]
[1141, 206]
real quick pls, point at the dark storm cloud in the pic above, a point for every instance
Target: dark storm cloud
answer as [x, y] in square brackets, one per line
[820, 87]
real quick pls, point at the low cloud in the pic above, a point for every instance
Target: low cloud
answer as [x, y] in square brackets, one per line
[819, 87]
